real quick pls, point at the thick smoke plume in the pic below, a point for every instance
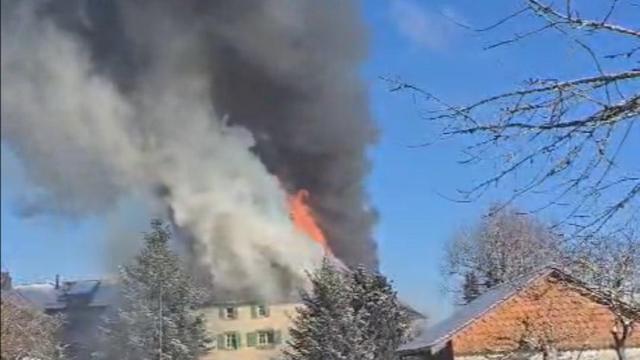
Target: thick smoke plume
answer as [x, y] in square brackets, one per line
[211, 110]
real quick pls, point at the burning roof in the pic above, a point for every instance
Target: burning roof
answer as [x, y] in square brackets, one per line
[208, 113]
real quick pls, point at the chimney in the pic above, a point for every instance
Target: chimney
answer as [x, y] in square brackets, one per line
[57, 284]
[5, 280]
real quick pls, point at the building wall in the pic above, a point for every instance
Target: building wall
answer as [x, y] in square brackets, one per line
[548, 313]
[632, 354]
[279, 319]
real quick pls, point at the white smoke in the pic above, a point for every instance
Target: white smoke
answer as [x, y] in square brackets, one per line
[86, 145]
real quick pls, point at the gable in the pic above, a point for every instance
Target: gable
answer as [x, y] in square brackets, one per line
[548, 312]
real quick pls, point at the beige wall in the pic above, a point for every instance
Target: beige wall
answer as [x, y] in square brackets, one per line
[279, 319]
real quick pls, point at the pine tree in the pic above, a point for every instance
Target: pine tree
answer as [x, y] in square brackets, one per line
[385, 321]
[155, 319]
[322, 328]
[350, 315]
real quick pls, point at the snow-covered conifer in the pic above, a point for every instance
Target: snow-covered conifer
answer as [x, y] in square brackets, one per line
[156, 317]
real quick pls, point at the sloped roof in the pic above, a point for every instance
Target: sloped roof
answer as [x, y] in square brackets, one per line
[438, 334]
[47, 297]
[99, 292]
[86, 287]
[43, 296]
[106, 294]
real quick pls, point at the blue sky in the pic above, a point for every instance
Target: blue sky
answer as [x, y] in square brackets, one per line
[410, 39]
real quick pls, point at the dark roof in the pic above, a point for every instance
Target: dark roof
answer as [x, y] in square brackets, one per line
[80, 288]
[106, 294]
[43, 296]
[47, 297]
[441, 332]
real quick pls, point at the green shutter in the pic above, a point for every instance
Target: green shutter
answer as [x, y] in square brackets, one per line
[277, 337]
[220, 341]
[252, 339]
[221, 312]
[235, 312]
[238, 339]
[267, 312]
[254, 311]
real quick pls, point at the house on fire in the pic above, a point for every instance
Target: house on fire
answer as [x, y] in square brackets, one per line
[247, 329]
[546, 314]
[255, 330]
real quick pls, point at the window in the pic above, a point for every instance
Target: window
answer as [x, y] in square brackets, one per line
[228, 341]
[265, 338]
[228, 312]
[231, 341]
[260, 311]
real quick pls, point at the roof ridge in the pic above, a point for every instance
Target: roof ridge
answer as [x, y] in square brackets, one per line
[530, 277]
[517, 284]
[15, 286]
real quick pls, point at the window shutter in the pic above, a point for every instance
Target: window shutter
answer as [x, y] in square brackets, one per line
[221, 312]
[251, 339]
[254, 311]
[267, 311]
[277, 336]
[238, 339]
[220, 341]
[235, 312]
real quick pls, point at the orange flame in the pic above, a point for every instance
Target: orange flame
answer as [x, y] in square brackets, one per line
[303, 219]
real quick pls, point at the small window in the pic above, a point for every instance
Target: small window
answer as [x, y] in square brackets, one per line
[261, 311]
[231, 341]
[228, 312]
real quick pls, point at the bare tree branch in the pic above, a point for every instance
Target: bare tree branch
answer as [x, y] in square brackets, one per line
[577, 23]
[551, 138]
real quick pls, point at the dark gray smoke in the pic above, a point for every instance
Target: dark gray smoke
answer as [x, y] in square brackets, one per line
[102, 99]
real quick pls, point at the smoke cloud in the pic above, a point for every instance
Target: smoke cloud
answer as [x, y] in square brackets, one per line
[212, 111]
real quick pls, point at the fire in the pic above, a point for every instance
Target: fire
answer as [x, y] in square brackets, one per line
[303, 219]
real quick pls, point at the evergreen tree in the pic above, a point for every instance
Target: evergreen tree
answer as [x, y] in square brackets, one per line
[155, 319]
[383, 319]
[352, 315]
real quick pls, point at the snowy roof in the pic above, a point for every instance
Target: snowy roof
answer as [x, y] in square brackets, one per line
[106, 294]
[43, 296]
[47, 297]
[86, 287]
[438, 334]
